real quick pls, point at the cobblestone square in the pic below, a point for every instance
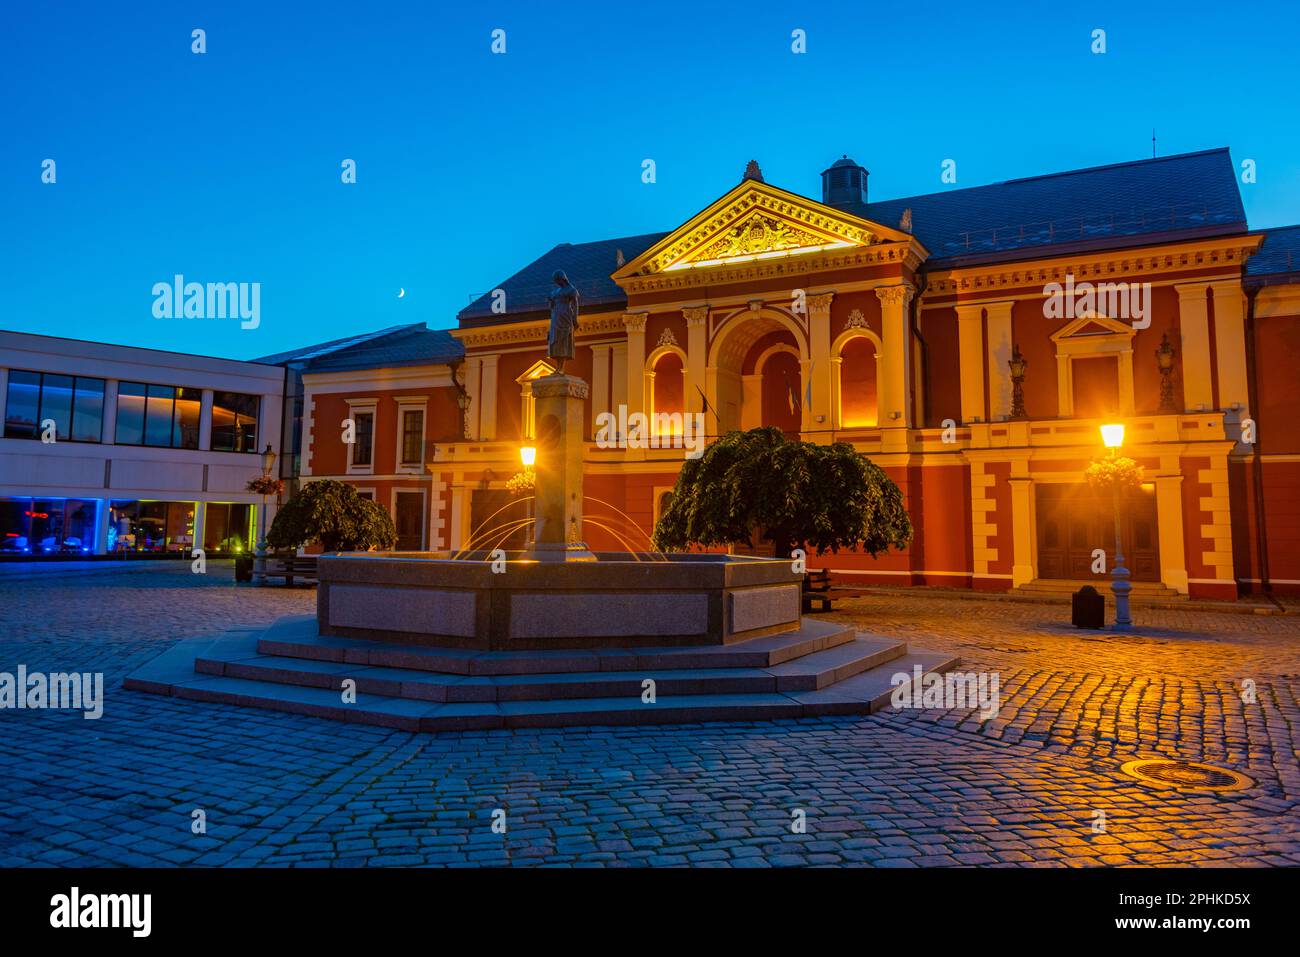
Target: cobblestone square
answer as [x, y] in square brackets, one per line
[917, 788]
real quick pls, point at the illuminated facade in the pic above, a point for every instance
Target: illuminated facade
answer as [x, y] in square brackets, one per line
[969, 342]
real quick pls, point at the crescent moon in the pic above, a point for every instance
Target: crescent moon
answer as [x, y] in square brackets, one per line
[401, 292]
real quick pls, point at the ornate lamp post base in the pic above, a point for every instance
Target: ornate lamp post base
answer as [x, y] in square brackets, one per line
[259, 560]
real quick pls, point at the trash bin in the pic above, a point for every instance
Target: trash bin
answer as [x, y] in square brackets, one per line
[1088, 608]
[244, 568]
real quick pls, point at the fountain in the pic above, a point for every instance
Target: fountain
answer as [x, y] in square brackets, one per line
[551, 635]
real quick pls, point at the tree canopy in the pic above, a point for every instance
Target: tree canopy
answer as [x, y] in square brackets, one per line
[333, 514]
[797, 494]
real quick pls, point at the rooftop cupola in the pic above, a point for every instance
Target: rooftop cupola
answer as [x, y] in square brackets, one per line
[844, 184]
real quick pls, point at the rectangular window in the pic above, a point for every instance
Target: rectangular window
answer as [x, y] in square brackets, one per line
[185, 419]
[163, 416]
[158, 415]
[88, 410]
[363, 447]
[234, 422]
[412, 436]
[56, 403]
[23, 406]
[130, 413]
[74, 405]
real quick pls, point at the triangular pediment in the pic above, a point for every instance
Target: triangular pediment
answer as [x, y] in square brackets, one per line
[757, 221]
[535, 371]
[1093, 324]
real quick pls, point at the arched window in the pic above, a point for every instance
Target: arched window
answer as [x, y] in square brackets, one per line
[858, 384]
[667, 388]
[855, 379]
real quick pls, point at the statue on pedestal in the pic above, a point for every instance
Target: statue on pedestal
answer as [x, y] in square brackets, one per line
[564, 320]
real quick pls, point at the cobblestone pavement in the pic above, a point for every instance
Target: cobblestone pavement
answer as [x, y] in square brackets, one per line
[898, 789]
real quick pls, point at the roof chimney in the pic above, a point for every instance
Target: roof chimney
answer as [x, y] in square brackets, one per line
[844, 184]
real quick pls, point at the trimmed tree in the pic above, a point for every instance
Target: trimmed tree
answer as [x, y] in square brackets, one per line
[333, 514]
[758, 484]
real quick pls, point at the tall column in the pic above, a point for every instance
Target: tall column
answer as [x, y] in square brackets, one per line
[1230, 343]
[487, 403]
[473, 386]
[205, 418]
[1194, 322]
[618, 376]
[4, 396]
[1169, 525]
[696, 357]
[1000, 347]
[895, 407]
[1022, 527]
[820, 413]
[634, 322]
[458, 524]
[599, 381]
[807, 421]
[200, 523]
[970, 341]
[103, 508]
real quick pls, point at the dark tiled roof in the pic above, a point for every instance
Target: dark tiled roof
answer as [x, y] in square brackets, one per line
[1189, 193]
[1168, 194]
[1278, 254]
[588, 266]
[396, 346]
[307, 353]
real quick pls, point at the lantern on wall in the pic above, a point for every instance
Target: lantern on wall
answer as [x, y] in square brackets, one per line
[1165, 359]
[1018, 365]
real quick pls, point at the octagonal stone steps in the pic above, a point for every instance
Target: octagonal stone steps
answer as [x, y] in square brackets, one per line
[821, 669]
[298, 637]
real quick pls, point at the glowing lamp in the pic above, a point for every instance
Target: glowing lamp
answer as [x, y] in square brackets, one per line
[1113, 435]
[528, 455]
[268, 460]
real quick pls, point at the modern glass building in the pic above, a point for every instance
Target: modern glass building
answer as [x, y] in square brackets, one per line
[110, 449]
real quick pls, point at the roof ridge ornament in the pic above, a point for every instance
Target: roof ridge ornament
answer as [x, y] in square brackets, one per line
[752, 171]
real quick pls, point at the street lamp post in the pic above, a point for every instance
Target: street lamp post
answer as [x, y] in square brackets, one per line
[1113, 437]
[259, 562]
[528, 456]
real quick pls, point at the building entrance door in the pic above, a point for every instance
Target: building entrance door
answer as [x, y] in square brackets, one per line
[1073, 521]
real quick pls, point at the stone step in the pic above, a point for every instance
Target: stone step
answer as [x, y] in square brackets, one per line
[297, 638]
[873, 690]
[861, 693]
[240, 659]
[1140, 590]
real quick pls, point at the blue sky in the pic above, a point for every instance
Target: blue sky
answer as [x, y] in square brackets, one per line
[225, 166]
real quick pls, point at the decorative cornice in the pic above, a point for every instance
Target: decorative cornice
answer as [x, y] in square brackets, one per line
[760, 269]
[533, 331]
[1228, 253]
[549, 386]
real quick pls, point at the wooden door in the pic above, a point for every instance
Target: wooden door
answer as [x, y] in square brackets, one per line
[1073, 521]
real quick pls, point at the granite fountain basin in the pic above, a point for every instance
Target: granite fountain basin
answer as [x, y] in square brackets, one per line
[618, 600]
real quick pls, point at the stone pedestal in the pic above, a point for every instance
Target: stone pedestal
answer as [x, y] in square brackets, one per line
[560, 415]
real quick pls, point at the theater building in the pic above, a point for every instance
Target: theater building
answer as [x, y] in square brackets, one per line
[970, 342]
[115, 450]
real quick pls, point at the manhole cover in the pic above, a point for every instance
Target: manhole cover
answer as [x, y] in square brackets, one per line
[1186, 775]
